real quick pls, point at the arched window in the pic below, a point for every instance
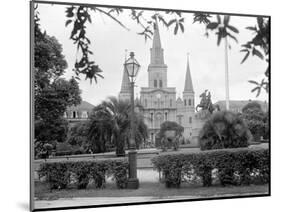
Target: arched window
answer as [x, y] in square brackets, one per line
[160, 83]
[189, 102]
[84, 114]
[145, 102]
[171, 102]
[185, 102]
[180, 119]
[155, 83]
[74, 114]
[190, 120]
[166, 116]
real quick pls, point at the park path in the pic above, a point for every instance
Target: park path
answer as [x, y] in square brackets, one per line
[86, 201]
[97, 201]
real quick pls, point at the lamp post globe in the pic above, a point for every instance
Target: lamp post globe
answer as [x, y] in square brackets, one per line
[132, 68]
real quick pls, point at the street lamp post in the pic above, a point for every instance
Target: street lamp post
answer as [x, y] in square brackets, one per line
[132, 67]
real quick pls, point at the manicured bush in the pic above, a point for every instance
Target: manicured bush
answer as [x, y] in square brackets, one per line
[58, 173]
[234, 166]
[256, 120]
[224, 129]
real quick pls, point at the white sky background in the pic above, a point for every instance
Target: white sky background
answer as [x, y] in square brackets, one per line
[109, 41]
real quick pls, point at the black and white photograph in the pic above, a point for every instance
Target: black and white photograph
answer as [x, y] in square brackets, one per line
[133, 105]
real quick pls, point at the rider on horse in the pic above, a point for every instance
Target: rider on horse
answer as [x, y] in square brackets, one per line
[206, 102]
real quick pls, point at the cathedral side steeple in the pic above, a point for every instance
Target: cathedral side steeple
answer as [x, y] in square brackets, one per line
[188, 92]
[157, 70]
[125, 91]
[125, 87]
[188, 86]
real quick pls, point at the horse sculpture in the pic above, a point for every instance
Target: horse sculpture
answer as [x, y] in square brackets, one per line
[206, 103]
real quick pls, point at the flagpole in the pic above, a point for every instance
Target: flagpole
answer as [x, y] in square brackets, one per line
[226, 75]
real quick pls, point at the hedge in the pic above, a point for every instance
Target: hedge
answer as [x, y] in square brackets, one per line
[60, 175]
[229, 166]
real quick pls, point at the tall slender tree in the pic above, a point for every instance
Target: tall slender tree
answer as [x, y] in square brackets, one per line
[223, 29]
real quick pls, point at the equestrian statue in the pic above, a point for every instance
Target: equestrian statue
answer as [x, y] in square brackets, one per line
[206, 103]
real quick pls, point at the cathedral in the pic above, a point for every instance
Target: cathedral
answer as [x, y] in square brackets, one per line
[159, 102]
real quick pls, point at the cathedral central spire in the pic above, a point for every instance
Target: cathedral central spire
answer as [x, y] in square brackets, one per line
[156, 51]
[156, 37]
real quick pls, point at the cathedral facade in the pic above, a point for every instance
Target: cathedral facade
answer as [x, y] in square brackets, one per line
[159, 102]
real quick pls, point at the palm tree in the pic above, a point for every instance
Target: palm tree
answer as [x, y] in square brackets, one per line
[110, 122]
[222, 31]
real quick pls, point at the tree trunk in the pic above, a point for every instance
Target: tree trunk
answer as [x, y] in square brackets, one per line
[120, 150]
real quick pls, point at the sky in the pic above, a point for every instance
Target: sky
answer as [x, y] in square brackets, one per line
[109, 42]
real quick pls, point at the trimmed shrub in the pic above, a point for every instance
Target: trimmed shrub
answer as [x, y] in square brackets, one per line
[58, 173]
[120, 173]
[234, 166]
[224, 129]
[255, 119]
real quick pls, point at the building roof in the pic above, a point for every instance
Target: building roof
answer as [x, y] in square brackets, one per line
[179, 99]
[83, 106]
[239, 104]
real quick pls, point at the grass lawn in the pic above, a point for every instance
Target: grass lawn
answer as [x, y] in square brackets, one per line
[156, 190]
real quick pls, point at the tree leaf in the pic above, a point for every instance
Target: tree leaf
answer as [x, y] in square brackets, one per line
[257, 53]
[244, 50]
[69, 12]
[163, 20]
[171, 22]
[234, 38]
[68, 22]
[259, 91]
[226, 19]
[219, 19]
[178, 13]
[181, 27]
[253, 82]
[212, 25]
[254, 89]
[246, 56]
[251, 28]
[181, 20]
[176, 29]
[247, 45]
[232, 28]
[260, 22]
[219, 39]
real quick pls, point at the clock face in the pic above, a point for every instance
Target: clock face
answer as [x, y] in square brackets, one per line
[158, 96]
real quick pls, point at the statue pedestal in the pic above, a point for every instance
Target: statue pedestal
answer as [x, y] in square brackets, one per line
[200, 118]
